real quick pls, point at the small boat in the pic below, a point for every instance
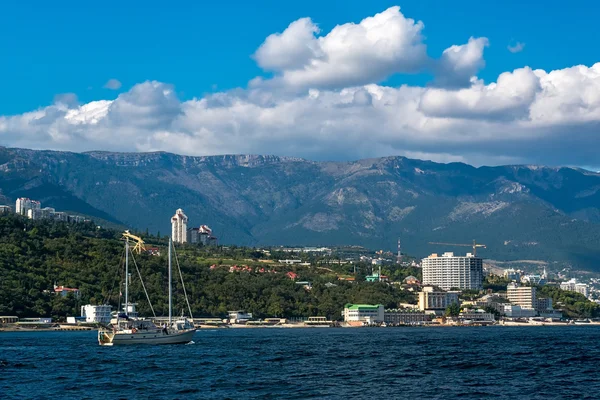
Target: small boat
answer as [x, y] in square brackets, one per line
[130, 329]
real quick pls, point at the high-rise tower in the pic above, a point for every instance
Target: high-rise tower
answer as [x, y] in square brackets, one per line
[179, 227]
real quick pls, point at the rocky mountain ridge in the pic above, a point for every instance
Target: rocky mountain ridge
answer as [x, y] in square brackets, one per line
[521, 212]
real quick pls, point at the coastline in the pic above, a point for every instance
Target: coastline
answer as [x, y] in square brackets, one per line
[66, 328]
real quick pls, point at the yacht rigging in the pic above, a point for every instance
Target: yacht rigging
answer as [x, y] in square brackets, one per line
[130, 329]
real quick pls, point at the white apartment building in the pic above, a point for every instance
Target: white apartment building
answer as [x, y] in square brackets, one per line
[514, 311]
[179, 227]
[433, 300]
[523, 296]
[23, 205]
[477, 316]
[450, 271]
[43, 213]
[573, 286]
[96, 314]
[366, 313]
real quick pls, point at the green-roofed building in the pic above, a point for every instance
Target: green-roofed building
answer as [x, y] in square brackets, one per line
[368, 314]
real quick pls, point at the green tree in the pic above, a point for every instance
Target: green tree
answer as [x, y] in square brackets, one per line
[453, 310]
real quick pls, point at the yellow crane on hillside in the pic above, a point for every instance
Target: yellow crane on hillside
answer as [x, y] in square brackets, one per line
[475, 245]
[139, 242]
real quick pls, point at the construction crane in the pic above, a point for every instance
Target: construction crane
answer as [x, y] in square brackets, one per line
[139, 245]
[475, 245]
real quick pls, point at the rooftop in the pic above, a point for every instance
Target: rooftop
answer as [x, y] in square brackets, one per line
[362, 306]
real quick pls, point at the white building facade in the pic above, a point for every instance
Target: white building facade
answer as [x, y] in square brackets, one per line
[449, 271]
[435, 300]
[96, 314]
[179, 227]
[574, 286]
[23, 205]
[367, 313]
[524, 296]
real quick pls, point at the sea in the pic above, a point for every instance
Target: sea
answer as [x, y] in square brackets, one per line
[319, 363]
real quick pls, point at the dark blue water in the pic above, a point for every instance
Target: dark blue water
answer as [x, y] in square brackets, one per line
[437, 363]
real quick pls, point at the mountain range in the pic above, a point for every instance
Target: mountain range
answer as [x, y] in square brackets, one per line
[518, 211]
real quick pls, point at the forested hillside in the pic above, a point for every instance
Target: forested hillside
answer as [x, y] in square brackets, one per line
[34, 255]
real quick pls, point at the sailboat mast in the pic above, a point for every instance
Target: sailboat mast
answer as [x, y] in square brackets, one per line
[170, 294]
[127, 277]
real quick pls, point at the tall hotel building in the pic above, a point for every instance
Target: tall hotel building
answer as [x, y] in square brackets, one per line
[450, 271]
[179, 227]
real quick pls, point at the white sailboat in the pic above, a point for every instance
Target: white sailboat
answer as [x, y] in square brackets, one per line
[129, 329]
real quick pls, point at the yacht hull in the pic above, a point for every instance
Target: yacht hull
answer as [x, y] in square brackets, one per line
[159, 337]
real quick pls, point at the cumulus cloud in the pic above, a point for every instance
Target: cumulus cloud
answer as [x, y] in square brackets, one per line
[524, 116]
[459, 64]
[66, 99]
[112, 84]
[351, 54]
[338, 111]
[517, 48]
[510, 97]
[293, 48]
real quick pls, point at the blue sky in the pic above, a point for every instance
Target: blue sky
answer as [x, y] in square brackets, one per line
[73, 46]
[324, 80]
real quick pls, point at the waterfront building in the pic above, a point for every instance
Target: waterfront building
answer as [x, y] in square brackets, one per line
[8, 319]
[552, 314]
[366, 313]
[453, 272]
[179, 227]
[477, 316]
[523, 296]
[404, 316]
[239, 317]
[544, 304]
[96, 314]
[75, 320]
[434, 300]
[514, 311]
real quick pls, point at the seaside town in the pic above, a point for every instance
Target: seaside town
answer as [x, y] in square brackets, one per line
[449, 292]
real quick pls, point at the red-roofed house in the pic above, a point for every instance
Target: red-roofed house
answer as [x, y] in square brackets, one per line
[63, 291]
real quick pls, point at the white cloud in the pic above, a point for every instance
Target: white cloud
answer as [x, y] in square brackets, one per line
[530, 116]
[459, 64]
[293, 48]
[508, 98]
[517, 48]
[112, 84]
[351, 54]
